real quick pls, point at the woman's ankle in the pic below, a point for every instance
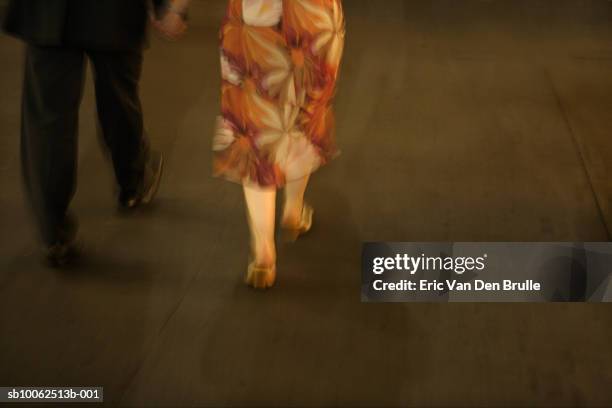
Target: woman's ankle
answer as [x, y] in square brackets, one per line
[265, 255]
[292, 214]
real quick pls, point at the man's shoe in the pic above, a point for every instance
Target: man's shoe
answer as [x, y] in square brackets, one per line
[150, 185]
[61, 255]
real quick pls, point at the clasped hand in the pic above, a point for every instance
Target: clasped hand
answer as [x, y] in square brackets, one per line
[171, 25]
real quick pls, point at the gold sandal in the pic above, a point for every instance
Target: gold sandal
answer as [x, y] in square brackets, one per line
[260, 277]
[293, 232]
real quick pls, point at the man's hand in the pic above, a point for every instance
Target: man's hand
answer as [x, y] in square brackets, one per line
[172, 26]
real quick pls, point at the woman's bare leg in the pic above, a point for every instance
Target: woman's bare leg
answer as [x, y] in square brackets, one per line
[261, 211]
[294, 201]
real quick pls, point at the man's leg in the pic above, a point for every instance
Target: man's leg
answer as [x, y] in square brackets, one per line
[53, 84]
[117, 79]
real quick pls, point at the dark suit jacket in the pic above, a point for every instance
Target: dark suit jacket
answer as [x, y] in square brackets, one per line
[94, 24]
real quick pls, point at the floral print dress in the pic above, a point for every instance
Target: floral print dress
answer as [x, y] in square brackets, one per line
[279, 63]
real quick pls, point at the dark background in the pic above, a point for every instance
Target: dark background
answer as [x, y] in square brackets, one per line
[459, 120]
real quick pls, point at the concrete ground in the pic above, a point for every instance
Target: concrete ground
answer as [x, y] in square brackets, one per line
[459, 120]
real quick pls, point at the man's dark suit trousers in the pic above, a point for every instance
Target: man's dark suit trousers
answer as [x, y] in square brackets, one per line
[52, 91]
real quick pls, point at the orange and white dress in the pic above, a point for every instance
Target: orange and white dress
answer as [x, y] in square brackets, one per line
[279, 63]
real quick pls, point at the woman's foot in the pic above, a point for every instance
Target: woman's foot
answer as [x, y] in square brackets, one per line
[261, 277]
[261, 272]
[295, 226]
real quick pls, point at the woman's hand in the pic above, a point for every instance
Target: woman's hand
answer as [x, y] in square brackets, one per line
[172, 26]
